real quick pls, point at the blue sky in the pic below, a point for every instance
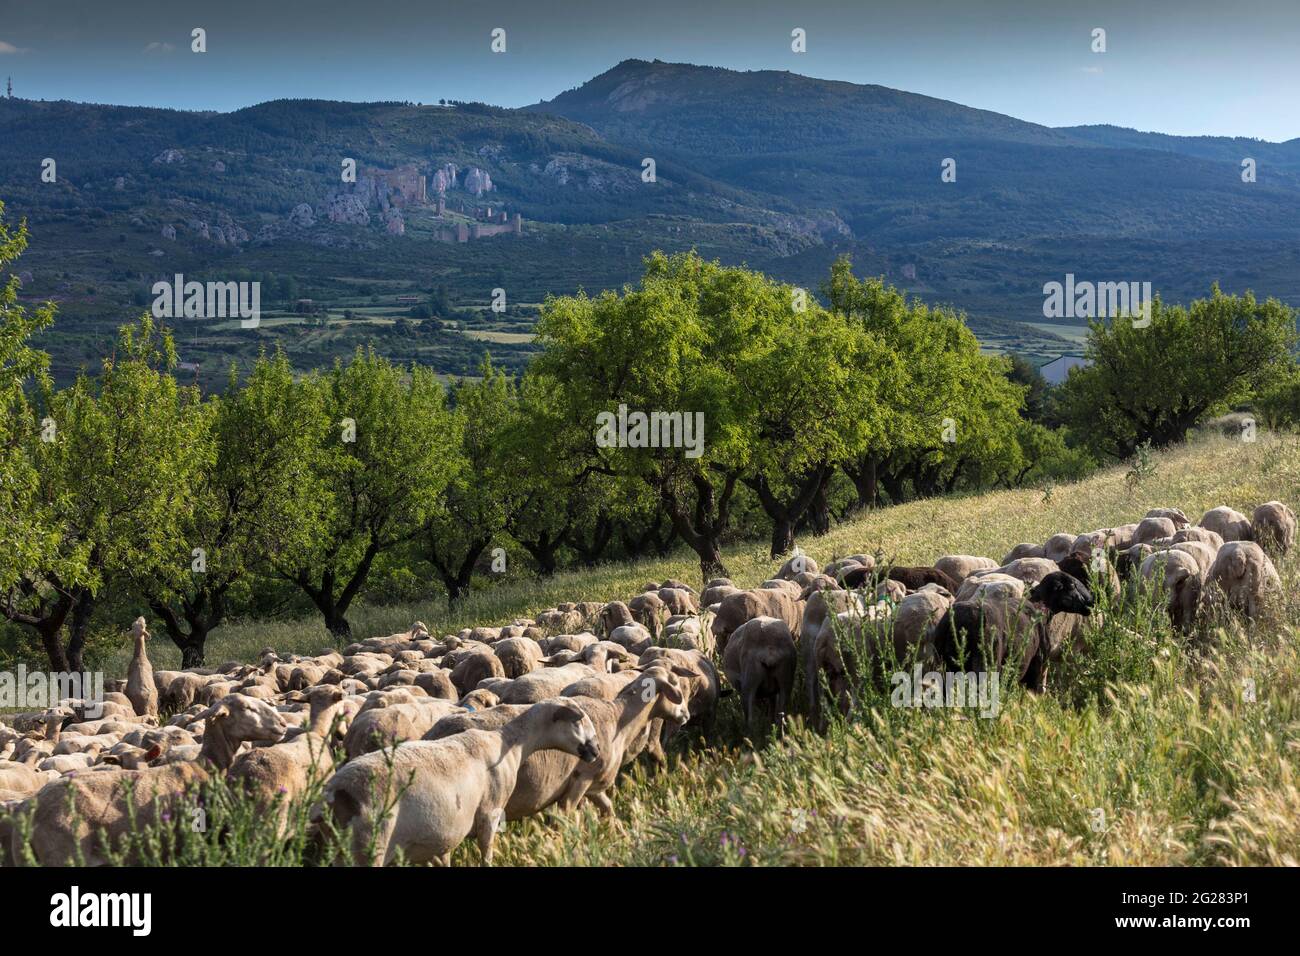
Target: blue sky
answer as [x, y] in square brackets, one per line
[1189, 67]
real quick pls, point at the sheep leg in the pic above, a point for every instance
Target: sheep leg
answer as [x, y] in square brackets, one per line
[751, 695]
[485, 830]
[576, 789]
[602, 802]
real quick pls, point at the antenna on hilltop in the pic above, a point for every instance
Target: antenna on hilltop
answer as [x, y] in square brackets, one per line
[9, 88]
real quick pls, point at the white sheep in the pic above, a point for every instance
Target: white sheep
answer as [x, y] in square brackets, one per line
[1243, 578]
[1151, 529]
[71, 815]
[437, 792]
[1273, 526]
[961, 566]
[760, 661]
[1180, 579]
[140, 687]
[1228, 524]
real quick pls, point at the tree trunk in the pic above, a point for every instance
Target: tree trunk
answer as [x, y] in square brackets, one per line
[337, 624]
[545, 551]
[47, 619]
[782, 536]
[203, 614]
[785, 515]
[703, 530]
[49, 630]
[820, 509]
[79, 629]
[589, 552]
[863, 475]
[894, 487]
[457, 580]
[192, 651]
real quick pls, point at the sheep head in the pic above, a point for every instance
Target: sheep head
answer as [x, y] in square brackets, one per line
[1060, 592]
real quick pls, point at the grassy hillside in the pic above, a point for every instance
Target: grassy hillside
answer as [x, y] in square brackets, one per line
[1149, 752]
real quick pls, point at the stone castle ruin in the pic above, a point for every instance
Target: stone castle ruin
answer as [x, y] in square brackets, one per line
[405, 189]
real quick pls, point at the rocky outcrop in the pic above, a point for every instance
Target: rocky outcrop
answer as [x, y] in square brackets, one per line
[200, 228]
[477, 181]
[394, 223]
[234, 233]
[169, 232]
[559, 171]
[348, 208]
[218, 167]
[169, 156]
[302, 216]
[573, 169]
[444, 178]
[120, 183]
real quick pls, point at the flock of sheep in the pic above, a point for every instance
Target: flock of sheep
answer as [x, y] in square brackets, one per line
[444, 739]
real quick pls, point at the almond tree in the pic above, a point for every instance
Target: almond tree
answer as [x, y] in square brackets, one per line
[1152, 381]
[28, 541]
[945, 407]
[385, 459]
[680, 343]
[470, 513]
[116, 456]
[819, 400]
[255, 498]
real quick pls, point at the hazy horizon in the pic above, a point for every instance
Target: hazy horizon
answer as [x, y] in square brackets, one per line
[1189, 69]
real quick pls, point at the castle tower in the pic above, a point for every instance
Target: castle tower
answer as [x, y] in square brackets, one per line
[442, 205]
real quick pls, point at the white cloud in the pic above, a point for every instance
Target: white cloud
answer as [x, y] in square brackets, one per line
[7, 48]
[156, 47]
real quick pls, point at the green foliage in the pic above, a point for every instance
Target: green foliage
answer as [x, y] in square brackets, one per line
[383, 462]
[1153, 383]
[116, 457]
[255, 498]
[951, 412]
[472, 510]
[24, 535]
[1278, 401]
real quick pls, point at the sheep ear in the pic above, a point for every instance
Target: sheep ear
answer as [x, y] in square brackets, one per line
[672, 693]
[220, 709]
[682, 671]
[571, 714]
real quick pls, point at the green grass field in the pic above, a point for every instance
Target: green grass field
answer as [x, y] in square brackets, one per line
[1154, 750]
